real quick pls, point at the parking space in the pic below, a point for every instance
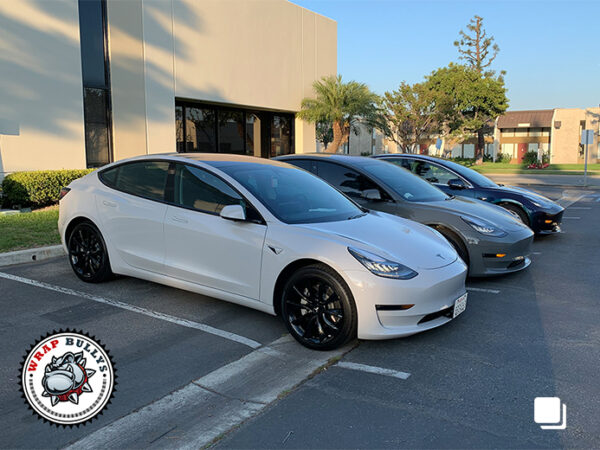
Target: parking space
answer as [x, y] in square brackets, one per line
[470, 383]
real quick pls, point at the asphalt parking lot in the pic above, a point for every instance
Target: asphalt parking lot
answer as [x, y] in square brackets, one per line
[194, 371]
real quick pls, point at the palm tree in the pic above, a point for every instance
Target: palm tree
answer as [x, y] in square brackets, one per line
[342, 105]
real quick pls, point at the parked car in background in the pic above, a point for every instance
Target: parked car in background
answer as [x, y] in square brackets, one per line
[266, 235]
[488, 238]
[541, 214]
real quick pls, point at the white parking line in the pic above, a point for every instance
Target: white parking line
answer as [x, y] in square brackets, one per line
[567, 199]
[489, 291]
[580, 207]
[207, 407]
[373, 369]
[147, 312]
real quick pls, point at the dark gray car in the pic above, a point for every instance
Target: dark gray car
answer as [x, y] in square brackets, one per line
[488, 238]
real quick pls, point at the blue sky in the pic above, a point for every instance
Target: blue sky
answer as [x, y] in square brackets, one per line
[550, 49]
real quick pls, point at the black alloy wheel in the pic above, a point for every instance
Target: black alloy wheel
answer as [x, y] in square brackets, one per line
[87, 253]
[516, 211]
[318, 308]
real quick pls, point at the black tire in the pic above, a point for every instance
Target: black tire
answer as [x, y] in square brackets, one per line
[517, 211]
[318, 308]
[457, 243]
[87, 253]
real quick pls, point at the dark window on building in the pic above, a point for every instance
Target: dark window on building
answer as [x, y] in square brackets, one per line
[146, 179]
[195, 188]
[346, 180]
[212, 128]
[96, 82]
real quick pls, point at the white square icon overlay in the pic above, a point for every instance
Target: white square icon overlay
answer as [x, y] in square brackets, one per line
[550, 412]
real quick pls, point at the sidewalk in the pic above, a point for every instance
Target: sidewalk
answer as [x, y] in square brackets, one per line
[593, 181]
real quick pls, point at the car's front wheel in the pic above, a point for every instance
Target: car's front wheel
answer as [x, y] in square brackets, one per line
[87, 253]
[318, 308]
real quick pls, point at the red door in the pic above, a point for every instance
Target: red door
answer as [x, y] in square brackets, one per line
[522, 149]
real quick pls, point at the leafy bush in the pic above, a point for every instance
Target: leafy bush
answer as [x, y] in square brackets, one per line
[487, 158]
[464, 161]
[530, 158]
[503, 157]
[39, 188]
[546, 158]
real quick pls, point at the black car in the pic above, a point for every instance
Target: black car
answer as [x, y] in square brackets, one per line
[541, 214]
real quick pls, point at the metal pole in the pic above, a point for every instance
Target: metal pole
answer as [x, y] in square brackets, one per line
[585, 165]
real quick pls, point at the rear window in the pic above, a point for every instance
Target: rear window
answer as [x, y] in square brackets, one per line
[146, 179]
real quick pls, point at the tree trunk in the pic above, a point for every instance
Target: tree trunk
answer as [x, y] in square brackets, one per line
[340, 134]
[479, 148]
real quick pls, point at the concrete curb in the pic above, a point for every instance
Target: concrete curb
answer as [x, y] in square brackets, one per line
[31, 254]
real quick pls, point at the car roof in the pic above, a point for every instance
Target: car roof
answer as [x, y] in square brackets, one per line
[212, 159]
[409, 155]
[349, 159]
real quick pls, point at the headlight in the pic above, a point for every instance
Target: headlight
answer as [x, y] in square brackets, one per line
[484, 227]
[382, 267]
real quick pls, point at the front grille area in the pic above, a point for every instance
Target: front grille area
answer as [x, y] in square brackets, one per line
[447, 312]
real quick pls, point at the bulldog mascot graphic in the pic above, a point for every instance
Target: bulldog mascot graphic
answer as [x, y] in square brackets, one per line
[66, 378]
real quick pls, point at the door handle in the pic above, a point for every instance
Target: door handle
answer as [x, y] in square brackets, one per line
[179, 219]
[107, 203]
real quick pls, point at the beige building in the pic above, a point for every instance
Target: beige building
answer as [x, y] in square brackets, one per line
[86, 82]
[555, 132]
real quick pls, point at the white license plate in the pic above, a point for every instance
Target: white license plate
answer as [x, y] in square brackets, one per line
[460, 305]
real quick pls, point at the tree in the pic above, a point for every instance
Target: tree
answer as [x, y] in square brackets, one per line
[478, 50]
[466, 100]
[342, 105]
[410, 114]
[324, 132]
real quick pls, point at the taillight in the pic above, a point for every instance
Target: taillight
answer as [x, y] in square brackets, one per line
[63, 191]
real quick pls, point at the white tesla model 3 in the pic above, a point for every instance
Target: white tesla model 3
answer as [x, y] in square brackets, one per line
[262, 234]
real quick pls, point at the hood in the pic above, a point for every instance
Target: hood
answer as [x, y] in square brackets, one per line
[483, 210]
[400, 240]
[531, 195]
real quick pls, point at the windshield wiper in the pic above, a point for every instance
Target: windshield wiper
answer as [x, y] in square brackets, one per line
[357, 216]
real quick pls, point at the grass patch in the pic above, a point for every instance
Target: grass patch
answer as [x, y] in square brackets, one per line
[28, 230]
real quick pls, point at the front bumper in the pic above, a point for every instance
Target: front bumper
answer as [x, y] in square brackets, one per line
[516, 248]
[432, 293]
[544, 222]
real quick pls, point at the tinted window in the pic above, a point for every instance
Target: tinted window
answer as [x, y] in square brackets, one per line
[292, 195]
[109, 177]
[410, 187]
[349, 181]
[432, 172]
[198, 189]
[471, 175]
[146, 179]
[305, 164]
[402, 162]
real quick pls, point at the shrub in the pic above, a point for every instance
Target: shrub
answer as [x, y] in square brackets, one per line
[487, 158]
[530, 158]
[546, 158]
[503, 157]
[39, 188]
[464, 161]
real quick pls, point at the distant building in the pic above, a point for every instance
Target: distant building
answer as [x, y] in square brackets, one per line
[553, 132]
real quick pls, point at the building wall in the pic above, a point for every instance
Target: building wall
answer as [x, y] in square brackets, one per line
[262, 54]
[41, 92]
[565, 140]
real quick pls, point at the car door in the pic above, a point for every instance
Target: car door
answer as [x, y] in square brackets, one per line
[132, 211]
[204, 248]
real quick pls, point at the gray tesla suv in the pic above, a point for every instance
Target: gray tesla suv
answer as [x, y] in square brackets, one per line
[488, 238]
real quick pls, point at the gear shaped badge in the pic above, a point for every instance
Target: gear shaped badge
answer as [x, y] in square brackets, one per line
[67, 378]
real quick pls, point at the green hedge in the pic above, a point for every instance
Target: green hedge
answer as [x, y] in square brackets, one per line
[37, 189]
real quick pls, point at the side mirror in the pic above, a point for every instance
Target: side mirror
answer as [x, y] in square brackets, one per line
[233, 212]
[457, 183]
[371, 194]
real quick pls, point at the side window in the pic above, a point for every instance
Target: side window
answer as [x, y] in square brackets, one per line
[109, 176]
[432, 172]
[346, 180]
[402, 162]
[145, 178]
[305, 164]
[198, 189]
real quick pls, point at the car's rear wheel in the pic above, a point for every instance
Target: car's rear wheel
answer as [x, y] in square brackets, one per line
[87, 253]
[516, 211]
[318, 308]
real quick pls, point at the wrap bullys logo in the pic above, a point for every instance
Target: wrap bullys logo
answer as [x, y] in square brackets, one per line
[67, 378]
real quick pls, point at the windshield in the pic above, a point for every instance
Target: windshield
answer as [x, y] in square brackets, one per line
[471, 175]
[293, 195]
[409, 186]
